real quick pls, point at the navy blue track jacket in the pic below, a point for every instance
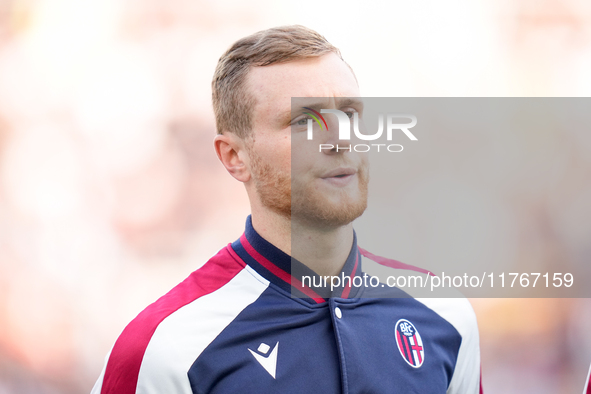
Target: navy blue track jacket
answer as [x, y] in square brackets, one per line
[233, 326]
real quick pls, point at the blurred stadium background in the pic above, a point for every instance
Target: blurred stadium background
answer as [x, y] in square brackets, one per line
[110, 192]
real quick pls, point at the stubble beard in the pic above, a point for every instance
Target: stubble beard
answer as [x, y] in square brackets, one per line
[272, 186]
[305, 203]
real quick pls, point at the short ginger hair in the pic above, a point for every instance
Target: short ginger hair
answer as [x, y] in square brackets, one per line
[233, 104]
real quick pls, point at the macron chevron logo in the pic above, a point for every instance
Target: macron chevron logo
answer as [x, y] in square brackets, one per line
[268, 360]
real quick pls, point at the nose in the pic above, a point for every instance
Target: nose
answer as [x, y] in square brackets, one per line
[339, 131]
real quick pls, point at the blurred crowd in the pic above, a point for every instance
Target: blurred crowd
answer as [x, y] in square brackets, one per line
[109, 188]
[110, 192]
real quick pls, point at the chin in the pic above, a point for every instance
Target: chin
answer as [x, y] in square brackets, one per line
[317, 210]
[328, 207]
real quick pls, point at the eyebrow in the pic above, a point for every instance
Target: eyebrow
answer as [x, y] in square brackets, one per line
[340, 102]
[317, 105]
[286, 117]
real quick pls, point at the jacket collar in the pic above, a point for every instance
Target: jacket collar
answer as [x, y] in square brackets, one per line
[290, 274]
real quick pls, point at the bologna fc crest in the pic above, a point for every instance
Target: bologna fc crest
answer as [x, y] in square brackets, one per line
[409, 343]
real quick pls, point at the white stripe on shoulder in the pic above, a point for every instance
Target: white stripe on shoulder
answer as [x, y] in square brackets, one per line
[181, 337]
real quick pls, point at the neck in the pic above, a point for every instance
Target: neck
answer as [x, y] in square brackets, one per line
[274, 228]
[323, 250]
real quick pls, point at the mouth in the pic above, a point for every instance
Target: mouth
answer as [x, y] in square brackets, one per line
[340, 173]
[340, 176]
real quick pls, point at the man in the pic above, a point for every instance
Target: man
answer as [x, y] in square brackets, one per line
[234, 325]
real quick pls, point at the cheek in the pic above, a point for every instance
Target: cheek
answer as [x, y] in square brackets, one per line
[302, 162]
[277, 155]
[304, 154]
[281, 154]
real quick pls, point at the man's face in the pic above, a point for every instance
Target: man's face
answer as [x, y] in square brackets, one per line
[291, 176]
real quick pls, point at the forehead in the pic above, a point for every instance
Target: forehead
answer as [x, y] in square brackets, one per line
[324, 76]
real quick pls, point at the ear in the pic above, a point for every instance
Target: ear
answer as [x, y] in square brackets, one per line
[232, 153]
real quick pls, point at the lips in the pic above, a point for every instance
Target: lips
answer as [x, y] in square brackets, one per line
[340, 173]
[339, 177]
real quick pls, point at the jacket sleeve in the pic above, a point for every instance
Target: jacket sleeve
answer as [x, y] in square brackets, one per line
[459, 313]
